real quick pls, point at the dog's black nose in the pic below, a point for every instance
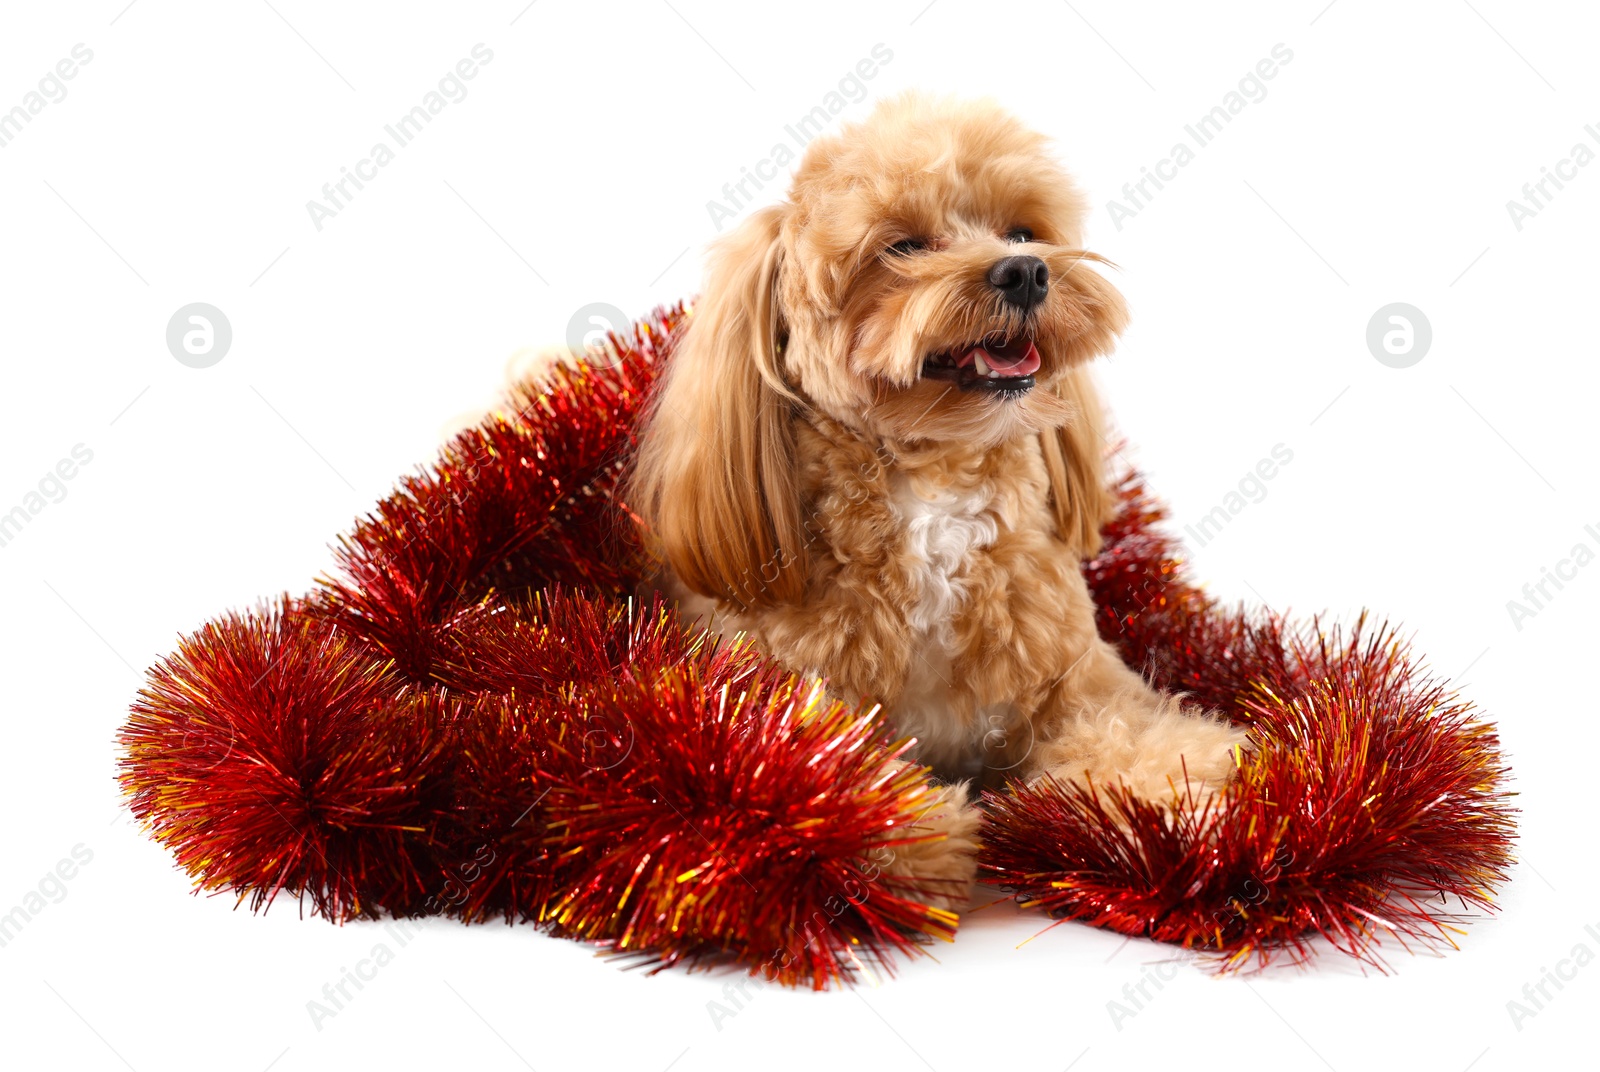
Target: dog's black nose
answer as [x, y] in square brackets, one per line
[1021, 279]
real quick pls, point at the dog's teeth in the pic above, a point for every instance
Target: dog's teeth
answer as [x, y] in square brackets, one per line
[978, 363]
[993, 375]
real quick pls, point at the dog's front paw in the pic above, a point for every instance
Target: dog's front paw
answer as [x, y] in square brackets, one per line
[1178, 755]
[935, 859]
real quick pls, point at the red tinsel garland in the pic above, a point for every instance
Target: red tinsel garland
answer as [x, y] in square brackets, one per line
[471, 719]
[1373, 786]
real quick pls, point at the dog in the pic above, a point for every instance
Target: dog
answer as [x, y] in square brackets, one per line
[876, 452]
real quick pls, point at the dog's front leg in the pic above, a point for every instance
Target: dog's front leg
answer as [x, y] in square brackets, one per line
[1102, 724]
[935, 858]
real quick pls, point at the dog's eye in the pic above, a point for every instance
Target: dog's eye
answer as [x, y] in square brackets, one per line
[907, 246]
[1020, 234]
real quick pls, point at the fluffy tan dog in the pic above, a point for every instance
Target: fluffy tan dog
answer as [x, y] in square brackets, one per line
[877, 453]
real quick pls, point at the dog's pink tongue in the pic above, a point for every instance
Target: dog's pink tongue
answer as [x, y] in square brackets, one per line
[1014, 359]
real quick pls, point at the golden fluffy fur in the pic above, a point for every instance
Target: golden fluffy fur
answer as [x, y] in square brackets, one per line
[807, 480]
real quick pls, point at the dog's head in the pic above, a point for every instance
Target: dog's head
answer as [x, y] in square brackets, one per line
[925, 282]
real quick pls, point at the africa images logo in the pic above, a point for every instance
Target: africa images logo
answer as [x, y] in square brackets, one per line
[452, 89]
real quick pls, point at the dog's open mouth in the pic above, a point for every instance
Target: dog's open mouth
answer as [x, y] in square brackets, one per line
[998, 365]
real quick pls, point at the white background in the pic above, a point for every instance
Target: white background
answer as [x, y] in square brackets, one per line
[177, 169]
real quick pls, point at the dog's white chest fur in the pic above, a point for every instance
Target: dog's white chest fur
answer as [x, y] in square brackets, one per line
[943, 529]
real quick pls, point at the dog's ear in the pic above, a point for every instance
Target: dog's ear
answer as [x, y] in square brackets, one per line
[714, 482]
[1075, 453]
[1075, 459]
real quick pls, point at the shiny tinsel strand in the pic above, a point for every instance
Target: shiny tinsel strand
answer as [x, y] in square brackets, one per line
[1372, 795]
